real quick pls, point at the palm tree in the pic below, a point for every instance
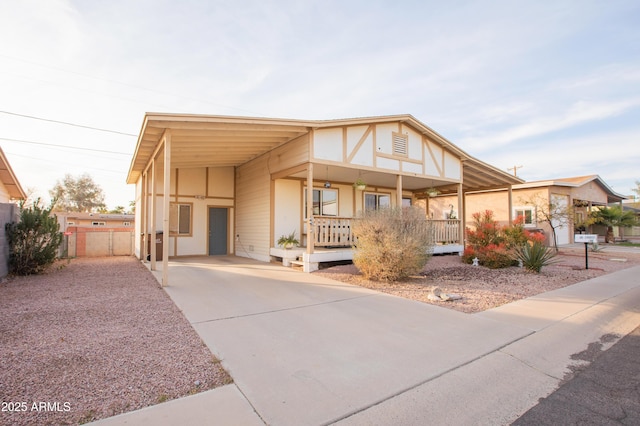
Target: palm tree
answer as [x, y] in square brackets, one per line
[613, 216]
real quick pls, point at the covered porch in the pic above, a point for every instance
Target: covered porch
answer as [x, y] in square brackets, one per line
[259, 173]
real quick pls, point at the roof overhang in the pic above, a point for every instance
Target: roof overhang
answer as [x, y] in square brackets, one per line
[214, 141]
[211, 141]
[9, 179]
[576, 182]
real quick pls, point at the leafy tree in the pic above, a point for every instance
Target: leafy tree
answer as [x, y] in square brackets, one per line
[117, 210]
[34, 240]
[613, 216]
[79, 194]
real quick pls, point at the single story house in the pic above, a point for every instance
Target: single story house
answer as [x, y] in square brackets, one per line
[82, 219]
[10, 191]
[217, 185]
[96, 234]
[581, 193]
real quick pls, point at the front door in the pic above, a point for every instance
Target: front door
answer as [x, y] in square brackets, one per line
[218, 230]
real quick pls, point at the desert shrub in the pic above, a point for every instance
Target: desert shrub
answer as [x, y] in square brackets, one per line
[34, 240]
[534, 256]
[487, 230]
[495, 256]
[469, 254]
[496, 246]
[392, 244]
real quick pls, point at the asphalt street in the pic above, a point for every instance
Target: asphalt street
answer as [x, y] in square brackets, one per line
[604, 392]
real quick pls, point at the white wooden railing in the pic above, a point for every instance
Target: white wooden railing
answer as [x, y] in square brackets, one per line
[332, 231]
[446, 231]
[335, 231]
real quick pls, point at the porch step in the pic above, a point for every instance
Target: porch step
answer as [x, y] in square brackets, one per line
[296, 262]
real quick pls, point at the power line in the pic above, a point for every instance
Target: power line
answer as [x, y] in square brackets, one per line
[128, 85]
[62, 163]
[65, 146]
[68, 124]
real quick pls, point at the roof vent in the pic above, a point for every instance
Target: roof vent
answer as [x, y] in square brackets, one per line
[400, 144]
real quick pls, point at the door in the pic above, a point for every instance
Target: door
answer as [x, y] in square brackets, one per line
[218, 230]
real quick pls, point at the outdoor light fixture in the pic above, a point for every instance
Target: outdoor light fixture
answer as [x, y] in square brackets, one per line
[327, 184]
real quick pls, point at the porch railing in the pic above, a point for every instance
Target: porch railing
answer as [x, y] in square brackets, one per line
[334, 231]
[446, 231]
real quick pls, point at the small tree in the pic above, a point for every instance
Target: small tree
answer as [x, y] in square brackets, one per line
[34, 240]
[392, 244]
[552, 212]
[613, 216]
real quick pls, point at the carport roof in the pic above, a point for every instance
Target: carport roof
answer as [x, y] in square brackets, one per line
[214, 141]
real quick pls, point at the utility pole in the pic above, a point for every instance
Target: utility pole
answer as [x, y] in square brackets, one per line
[515, 170]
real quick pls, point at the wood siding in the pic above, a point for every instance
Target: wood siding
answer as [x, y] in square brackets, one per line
[253, 206]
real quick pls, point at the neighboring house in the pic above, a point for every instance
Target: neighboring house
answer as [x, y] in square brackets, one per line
[10, 191]
[96, 234]
[582, 193]
[233, 185]
[108, 220]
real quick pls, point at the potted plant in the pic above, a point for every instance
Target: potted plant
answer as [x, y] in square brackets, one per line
[359, 184]
[288, 241]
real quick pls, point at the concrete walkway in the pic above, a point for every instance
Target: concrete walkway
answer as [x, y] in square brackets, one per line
[305, 350]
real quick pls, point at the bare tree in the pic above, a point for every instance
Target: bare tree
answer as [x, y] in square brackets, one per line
[555, 214]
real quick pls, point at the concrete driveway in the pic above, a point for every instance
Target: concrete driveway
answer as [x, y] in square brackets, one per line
[307, 350]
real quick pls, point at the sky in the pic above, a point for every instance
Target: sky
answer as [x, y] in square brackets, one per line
[551, 87]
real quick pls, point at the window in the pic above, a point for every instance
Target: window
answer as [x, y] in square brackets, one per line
[400, 144]
[180, 219]
[126, 223]
[325, 202]
[71, 223]
[98, 223]
[527, 215]
[376, 201]
[406, 202]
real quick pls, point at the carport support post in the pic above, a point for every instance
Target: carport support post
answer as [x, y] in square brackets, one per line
[310, 236]
[166, 207]
[399, 191]
[152, 230]
[461, 213]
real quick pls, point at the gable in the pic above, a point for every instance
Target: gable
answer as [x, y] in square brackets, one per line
[394, 147]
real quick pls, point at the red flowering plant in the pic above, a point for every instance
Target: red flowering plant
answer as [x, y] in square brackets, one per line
[495, 245]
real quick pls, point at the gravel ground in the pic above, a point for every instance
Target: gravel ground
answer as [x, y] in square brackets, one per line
[93, 339]
[482, 288]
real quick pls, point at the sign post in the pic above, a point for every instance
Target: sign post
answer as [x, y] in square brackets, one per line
[586, 239]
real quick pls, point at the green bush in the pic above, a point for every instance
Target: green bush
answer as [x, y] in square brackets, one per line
[33, 241]
[534, 256]
[392, 244]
